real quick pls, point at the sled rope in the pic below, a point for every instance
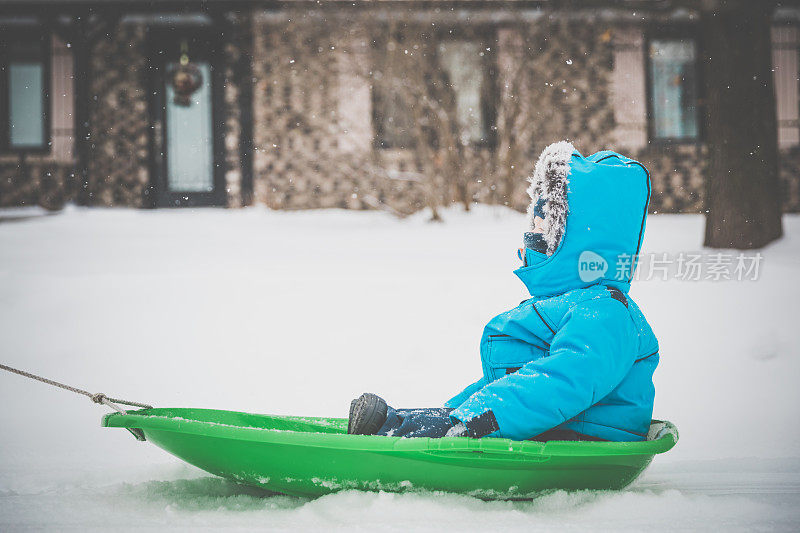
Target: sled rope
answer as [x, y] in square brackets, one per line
[99, 397]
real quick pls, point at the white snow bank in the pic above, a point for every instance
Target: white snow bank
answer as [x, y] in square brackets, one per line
[675, 501]
[297, 313]
[14, 214]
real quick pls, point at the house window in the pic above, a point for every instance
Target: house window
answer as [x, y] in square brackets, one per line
[394, 118]
[462, 62]
[460, 68]
[673, 90]
[23, 96]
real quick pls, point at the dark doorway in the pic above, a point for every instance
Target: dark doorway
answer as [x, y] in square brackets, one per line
[187, 134]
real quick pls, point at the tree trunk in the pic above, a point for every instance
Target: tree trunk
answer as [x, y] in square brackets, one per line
[742, 188]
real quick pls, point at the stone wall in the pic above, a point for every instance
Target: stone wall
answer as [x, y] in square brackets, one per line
[299, 161]
[35, 180]
[789, 172]
[118, 119]
[565, 95]
[572, 92]
[237, 53]
[313, 116]
[678, 171]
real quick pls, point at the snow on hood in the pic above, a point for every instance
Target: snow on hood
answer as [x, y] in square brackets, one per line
[594, 218]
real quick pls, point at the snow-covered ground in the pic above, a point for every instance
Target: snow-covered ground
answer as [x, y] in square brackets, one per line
[299, 312]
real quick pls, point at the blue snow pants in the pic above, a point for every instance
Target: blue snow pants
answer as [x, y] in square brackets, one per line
[434, 422]
[431, 422]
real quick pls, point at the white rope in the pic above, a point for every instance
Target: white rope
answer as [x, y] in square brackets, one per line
[98, 397]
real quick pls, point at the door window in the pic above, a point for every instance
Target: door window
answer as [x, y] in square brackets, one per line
[190, 139]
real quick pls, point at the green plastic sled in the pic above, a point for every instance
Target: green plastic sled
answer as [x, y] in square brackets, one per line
[306, 456]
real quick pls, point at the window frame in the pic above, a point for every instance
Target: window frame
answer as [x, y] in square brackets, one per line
[44, 40]
[680, 31]
[486, 37]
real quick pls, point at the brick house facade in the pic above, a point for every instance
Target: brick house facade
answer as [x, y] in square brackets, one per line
[297, 110]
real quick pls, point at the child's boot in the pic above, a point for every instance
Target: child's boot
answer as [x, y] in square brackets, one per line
[367, 414]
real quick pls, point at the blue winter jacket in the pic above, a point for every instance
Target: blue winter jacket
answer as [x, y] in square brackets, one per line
[578, 354]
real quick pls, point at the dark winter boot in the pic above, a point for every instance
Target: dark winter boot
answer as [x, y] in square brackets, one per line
[367, 414]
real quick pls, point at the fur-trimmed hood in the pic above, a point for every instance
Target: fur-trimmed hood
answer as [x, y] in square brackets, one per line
[549, 182]
[595, 210]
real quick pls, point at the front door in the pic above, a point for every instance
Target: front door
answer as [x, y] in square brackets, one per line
[187, 162]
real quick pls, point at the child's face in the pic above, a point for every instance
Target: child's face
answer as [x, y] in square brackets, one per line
[538, 225]
[534, 239]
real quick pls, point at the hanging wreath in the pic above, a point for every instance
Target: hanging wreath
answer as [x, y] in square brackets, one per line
[185, 79]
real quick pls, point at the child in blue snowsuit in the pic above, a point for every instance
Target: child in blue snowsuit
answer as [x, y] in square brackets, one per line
[574, 361]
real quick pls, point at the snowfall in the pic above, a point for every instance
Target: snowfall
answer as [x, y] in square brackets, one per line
[299, 312]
